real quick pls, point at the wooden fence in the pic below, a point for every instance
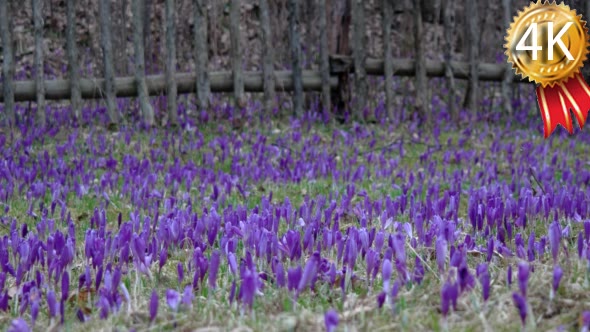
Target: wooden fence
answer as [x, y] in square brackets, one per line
[332, 79]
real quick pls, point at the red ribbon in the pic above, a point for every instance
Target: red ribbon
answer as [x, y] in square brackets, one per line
[555, 104]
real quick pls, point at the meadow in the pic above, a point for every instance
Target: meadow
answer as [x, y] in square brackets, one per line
[274, 223]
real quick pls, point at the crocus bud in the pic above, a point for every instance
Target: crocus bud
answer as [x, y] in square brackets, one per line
[331, 320]
[520, 303]
[557, 274]
[153, 305]
[523, 277]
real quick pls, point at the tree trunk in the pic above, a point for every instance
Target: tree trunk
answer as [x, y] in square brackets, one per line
[171, 88]
[324, 58]
[7, 63]
[39, 70]
[267, 58]
[236, 53]
[388, 65]
[73, 68]
[295, 42]
[201, 53]
[121, 52]
[359, 55]
[341, 99]
[138, 38]
[107, 51]
[422, 103]
[472, 31]
[449, 27]
[507, 82]
[147, 34]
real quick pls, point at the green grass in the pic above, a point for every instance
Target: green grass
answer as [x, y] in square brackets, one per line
[416, 308]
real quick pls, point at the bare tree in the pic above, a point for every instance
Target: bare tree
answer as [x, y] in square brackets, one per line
[201, 53]
[72, 50]
[171, 87]
[107, 51]
[295, 42]
[8, 62]
[236, 53]
[472, 30]
[359, 55]
[388, 64]
[421, 82]
[144, 102]
[39, 70]
[449, 27]
[509, 76]
[267, 58]
[324, 57]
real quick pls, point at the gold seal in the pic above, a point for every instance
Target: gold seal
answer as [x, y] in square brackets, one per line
[547, 42]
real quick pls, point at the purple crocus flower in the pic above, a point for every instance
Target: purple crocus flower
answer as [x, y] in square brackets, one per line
[557, 274]
[309, 272]
[386, 271]
[180, 270]
[448, 294]
[585, 317]
[523, 277]
[381, 299]
[293, 277]
[509, 276]
[520, 303]
[19, 325]
[418, 271]
[153, 305]
[580, 245]
[172, 298]
[331, 320]
[51, 304]
[187, 296]
[441, 253]
[65, 285]
[484, 279]
[213, 268]
[248, 289]
[554, 239]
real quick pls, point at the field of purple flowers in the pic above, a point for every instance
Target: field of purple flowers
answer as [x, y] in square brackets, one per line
[295, 225]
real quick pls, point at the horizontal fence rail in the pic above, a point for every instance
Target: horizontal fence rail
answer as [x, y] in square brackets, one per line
[343, 65]
[222, 81]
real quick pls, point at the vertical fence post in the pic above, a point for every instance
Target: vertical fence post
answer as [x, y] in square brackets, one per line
[171, 87]
[294, 40]
[72, 50]
[359, 55]
[324, 57]
[138, 39]
[201, 53]
[420, 64]
[39, 81]
[8, 63]
[236, 53]
[388, 64]
[509, 75]
[107, 51]
[267, 58]
[449, 27]
[472, 30]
